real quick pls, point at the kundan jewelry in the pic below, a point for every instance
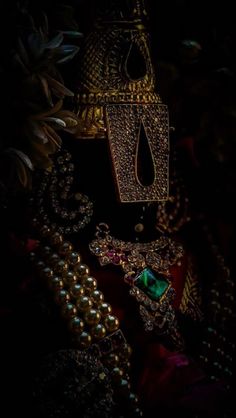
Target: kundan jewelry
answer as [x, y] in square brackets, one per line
[146, 268]
[57, 204]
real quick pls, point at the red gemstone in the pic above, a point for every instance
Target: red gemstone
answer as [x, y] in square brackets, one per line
[110, 253]
[116, 259]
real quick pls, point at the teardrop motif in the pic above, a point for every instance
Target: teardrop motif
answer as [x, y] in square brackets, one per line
[144, 162]
[135, 65]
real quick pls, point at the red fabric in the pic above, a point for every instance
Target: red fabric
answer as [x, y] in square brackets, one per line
[166, 375]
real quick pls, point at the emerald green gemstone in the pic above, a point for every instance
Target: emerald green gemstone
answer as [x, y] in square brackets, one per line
[152, 286]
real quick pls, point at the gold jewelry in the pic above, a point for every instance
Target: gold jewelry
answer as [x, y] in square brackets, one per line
[126, 123]
[89, 318]
[191, 301]
[57, 205]
[117, 101]
[146, 267]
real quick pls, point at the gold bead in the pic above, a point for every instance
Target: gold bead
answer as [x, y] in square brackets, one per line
[53, 259]
[124, 386]
[44, 231]
[90, 284]
[133, 398]
[56, 283]
[56, 238]
[117, 374]
[81, 269]
[69, 278]
[84, 340]
[99, 331]
[137, 412]
[69, 310]
[40, 265]
[92, 316]
[97, 296]
[76, 290]
[111, 323]
[76, 325]
[139, 228]
[62, 296]
[32, 257]
[126, 351]
[47, 272]
[112, 360]
[84, 303]
[61, 266]
[105, 308]
[46, 251]
[73, 258]
[65, 248]
[126, 366]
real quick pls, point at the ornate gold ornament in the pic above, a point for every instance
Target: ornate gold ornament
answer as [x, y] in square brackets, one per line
[117, 100]
[146, 268]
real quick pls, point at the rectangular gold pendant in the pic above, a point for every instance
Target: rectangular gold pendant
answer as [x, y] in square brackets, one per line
[124, 122]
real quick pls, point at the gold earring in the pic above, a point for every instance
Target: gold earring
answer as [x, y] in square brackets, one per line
[56, 204]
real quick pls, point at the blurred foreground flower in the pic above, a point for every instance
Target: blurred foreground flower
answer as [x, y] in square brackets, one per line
[35, 96]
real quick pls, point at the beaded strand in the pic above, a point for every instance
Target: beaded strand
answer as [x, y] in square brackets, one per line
[90, 320]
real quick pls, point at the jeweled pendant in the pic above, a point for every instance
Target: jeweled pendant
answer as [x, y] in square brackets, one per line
[153, 285]
[126, 125]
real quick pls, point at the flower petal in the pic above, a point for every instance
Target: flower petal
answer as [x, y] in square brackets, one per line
[58, 87]
[55, 42]
[22, 156]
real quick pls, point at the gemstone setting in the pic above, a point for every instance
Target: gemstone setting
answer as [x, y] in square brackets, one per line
[155, 287]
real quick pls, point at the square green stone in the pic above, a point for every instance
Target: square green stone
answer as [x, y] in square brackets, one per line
[152, 286]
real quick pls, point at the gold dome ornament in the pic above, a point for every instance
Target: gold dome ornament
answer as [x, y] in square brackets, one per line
[116, 100]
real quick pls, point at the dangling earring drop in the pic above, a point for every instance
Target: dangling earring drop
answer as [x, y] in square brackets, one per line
[57, 204]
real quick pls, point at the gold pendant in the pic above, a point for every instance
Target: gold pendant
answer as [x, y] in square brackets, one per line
[125, 124]
[146, 270]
